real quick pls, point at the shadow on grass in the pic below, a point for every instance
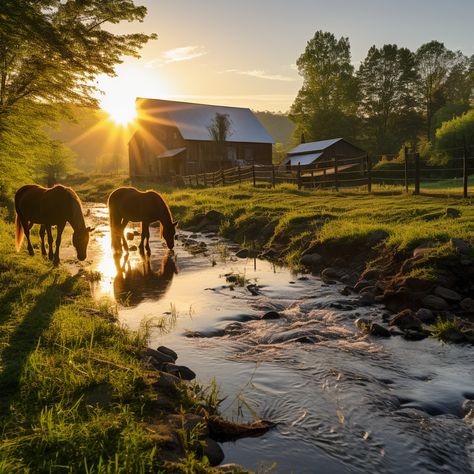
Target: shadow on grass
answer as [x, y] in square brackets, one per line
[25, 337]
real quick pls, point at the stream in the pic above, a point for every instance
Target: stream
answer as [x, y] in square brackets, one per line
[343, 402]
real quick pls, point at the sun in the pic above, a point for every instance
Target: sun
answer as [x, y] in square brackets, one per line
[121, 110]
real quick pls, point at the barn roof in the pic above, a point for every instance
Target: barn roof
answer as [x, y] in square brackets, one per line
[303, 160]
[193, 120]
[313, 146]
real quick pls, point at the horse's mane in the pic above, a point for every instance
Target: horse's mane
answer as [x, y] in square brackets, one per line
[76, 207]
[165, 206]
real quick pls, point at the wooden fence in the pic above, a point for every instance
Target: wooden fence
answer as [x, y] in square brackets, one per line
[343, 172]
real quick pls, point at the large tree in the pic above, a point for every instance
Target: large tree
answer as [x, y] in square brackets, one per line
[444, 78]
[51, 50]
[388, 105]
[326, 103]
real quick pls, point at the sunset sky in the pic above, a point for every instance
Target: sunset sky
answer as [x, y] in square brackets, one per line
[243, 53]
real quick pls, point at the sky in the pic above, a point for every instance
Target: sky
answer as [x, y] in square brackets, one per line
[243, 52]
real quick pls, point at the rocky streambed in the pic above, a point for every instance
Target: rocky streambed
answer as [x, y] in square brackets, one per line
[338, 372]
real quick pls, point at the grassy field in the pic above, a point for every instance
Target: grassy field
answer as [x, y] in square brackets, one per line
[75, 395]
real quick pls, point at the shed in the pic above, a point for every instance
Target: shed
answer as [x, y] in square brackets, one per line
[321, 154]
[173, 138]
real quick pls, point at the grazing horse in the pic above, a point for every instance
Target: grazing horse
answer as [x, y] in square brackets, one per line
[48, 207]
[130, 205]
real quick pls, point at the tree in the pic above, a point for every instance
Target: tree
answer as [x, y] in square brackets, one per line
[455, 134]
[444, 76]
[325, 106]
[219, 130]
[388, 105]
[56, 163]
[51, 50]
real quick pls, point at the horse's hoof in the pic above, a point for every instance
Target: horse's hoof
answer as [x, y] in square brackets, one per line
[56, 262]
[31, 252]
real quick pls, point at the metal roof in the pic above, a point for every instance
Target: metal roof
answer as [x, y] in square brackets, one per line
[313, 146]
[193, 120]
[171, 153]
[302, 159]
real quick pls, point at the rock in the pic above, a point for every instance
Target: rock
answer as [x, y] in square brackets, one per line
[215, 217]
[447, 294]
[167, 382]
[406, 319]
[418, 284]
[468, 409]
[269, 254]
[225, 430]
[292, 335]
[452, 212]
[378, 330]
[414, 335]
[425, 315]
[361, 324]
[435, 302]
[180, 371]
[168, 351]
[467, 304]
[234, 327]
[130, 235]
[346, 291]
[212, 450]
[242, 253]
[331, 273]
[158, 357]
[453, 335]
[253, 288]
[371, 274]
[311, 260]
[361, 284]
[460, 245]
[271, 315]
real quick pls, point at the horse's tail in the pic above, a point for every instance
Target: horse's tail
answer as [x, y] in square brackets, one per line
[19, 233]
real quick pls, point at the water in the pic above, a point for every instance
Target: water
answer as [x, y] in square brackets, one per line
[344, 402]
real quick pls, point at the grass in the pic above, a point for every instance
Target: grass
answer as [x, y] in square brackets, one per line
[75, 395]
[442, 328]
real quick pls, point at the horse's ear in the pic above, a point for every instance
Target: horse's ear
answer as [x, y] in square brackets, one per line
[175, 223]
[90, 229]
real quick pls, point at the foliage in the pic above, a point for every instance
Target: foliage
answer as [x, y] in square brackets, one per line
[456, 133]
[325, 105]
[56, 163]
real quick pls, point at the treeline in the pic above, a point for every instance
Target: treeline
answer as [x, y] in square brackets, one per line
[396, 97]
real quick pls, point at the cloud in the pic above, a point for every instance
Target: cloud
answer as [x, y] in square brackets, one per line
[261, 75]
[184, 53]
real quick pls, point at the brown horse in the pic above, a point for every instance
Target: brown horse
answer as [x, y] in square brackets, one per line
[130, 205]
[48, 207]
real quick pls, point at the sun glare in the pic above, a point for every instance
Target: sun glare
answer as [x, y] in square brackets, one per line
[121, 110]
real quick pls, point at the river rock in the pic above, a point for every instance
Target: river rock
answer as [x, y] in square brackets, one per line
[467, 304]
[158, 358]
[452, 213]
[225, 430]
[414, 335]
[271, 315]
[468, 409]
[405, 319]
[425, 315]
[361, 284]
[311, 260]
[242, 253]
[418, 284]
[212, 450]
[168, 352]
[453, 335]
[180, 371]
[376, 329]
[166, 382]
[460, 245]
[331, 273]
[435, 302]
[361, 324]
[447, 294]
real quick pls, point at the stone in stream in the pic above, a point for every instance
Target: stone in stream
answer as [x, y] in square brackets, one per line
[157, 358]
[435, 302]
[414, 335]
[332, 273]
[180, 371]
[212, 451]
[371, 328]
[447, 294]
[467, 304]
[406, 319]
[311, 260]
[225, 430]
[169, 352]
[271, 315]
[425, 315]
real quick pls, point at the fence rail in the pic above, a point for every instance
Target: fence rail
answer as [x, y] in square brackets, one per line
[343, 172]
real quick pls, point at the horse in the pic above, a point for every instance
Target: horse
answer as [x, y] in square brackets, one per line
[49, 207]
[130, 205]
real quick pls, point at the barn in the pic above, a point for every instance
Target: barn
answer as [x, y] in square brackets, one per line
[321, 154]
[173, 138]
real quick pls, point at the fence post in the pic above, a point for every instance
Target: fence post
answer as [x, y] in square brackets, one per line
[197, 180]
[254, 178]
[465, 171]
[240, 176]
[336, 182]
[324, 178]
[369, 173]
[312, 178]
[298, 175]
[222, 176]
[205, 180]
[213, 175]
[273, 176]
[417, 174]
[405, 159]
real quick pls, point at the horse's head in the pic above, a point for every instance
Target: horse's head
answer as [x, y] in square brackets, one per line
[168, 232]
[80, 239]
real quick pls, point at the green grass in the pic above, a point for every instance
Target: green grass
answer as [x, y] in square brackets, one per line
[442, 328]
[74, 393]
[298, 220]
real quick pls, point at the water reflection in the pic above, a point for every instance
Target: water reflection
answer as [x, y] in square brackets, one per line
[137, 281]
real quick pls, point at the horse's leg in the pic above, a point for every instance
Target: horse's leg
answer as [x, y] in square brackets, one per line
[42, 233]
[123, 224]
[60, 228]
[142, 239]
[50, 242]
[26, 228]
[147, 236]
